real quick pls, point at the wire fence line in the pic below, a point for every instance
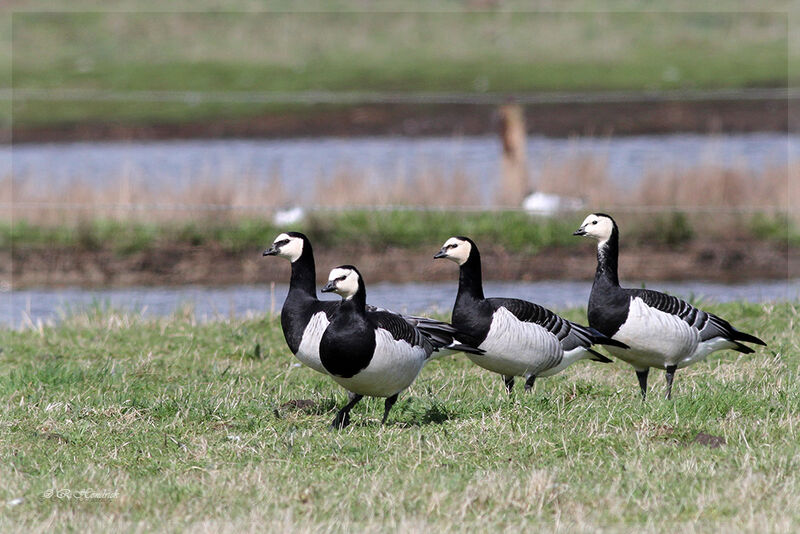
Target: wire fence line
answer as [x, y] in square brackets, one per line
[77, 206]
[420, 98]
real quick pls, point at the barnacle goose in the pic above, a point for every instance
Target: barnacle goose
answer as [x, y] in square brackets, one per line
[369, 352]
[662, 331]
[519, 338]
[304, 317]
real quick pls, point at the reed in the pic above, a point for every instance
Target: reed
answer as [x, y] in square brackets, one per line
[715, 187]
[221, 198]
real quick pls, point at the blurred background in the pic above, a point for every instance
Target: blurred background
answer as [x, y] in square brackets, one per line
[149, 157]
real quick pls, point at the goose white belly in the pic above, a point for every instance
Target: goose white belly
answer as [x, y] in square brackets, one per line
[517, 348]
[394, 366]
[655, 338]
[308, 351]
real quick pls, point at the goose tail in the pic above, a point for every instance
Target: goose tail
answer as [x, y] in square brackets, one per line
[748, 338]
[597, 357]
[601, 339]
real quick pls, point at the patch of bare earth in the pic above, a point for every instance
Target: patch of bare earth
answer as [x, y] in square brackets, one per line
[181, 264]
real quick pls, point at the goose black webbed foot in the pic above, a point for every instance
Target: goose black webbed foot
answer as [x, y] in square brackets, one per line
[670, 377]
[342, 418]
[509, 382]
[388, 406]
[642, 376]
[529, 382]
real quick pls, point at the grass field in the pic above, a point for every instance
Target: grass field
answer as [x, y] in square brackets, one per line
[514, 231]
[174, 424]
[367, 228]
[464, 50]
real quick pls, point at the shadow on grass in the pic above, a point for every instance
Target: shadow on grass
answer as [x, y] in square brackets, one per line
[419, 414]
[306, 406]
[411, 413]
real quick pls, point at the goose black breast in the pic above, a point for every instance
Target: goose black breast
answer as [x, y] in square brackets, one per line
[608, 309]
[346, 348]
[473, 320]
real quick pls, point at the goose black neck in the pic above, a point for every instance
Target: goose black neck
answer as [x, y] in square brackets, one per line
[608, 259]
[304, 274]
[358, 302]
[470, 280]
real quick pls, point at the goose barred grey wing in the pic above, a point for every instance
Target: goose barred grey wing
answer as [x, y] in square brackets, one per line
[570, 335]
[673, 305]
[707, 324]
[441, 335]
[533, 313]
[400, 329]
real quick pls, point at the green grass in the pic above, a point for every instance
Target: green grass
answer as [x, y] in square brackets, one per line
[375, 229]
[189, 425]
[460, 51]
[778, 228]
[514, 231]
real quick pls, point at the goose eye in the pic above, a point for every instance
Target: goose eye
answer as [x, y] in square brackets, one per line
[340, 279]
[594, 222]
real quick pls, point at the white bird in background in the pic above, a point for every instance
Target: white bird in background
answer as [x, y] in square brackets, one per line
[288, 216]
[538, 203]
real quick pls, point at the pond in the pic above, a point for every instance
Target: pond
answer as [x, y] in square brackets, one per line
[299, 164]
[27, 307]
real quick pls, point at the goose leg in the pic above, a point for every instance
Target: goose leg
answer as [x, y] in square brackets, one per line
[642, 376]
[388, 406]
[342, 418]
[529, 382]
[509, 381]
[670, 377]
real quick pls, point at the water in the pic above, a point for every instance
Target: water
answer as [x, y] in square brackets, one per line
[300, 163]
[49, 305]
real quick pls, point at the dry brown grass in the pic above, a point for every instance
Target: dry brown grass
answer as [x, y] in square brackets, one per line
[717, 187]
[431, 189]
[584, 174]
[777, 188]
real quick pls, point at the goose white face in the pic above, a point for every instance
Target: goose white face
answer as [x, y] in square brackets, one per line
[599, 227]
[288, 247]
[343, 282]
[455, 249]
